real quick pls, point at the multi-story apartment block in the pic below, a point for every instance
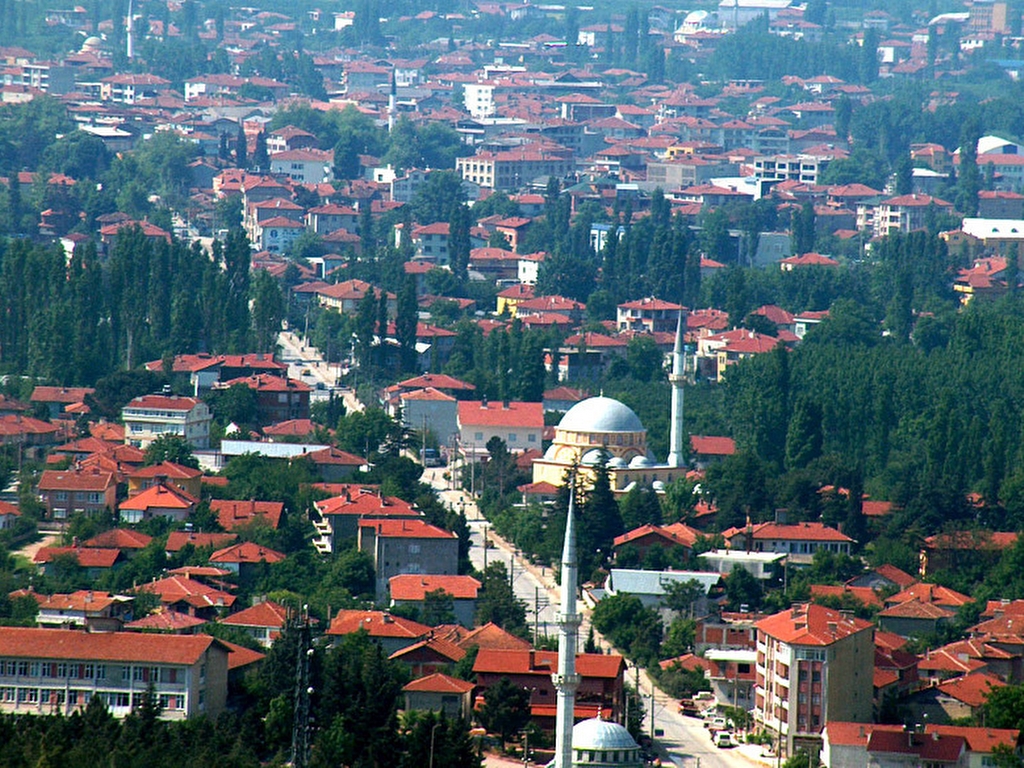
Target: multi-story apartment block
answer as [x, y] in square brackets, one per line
[65, 492]
[512, 169]
[648, 314]
[148, 417]
[814, 664]
[804, 168]
[407, 546]
[50, 671]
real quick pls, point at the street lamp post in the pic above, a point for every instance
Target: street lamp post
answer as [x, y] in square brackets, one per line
[433, 731]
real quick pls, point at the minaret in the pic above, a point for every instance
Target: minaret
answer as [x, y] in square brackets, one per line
[391, 103]
[129, 29]
[566, 680]
[676, 454]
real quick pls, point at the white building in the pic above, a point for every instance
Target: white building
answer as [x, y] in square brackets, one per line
[148, 417]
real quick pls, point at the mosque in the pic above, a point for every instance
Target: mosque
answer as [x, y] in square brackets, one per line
[602, 426]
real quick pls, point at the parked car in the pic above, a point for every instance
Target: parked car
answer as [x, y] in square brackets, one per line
[716, 724]
[723, 740]
[689, 708]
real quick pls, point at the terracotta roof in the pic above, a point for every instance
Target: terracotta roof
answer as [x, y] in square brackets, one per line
[18, 642]
[546, 662]
[232, 514]
[407, 529]
[241, 656]
[363, 502]
[377, 624]
[490, 636]
[416, 586]
[432, 643]
[439, 683]
[495, 414]
[87, 557]
[265, 614]
[437, 381]
[291, 428]
[166, 469]
[60, 394]
[982, 740]
[930, 593]
[75, 480]
[246, 552]
[866, 595]
[165, 620]
[797, 532]
[712, 446]
[119, 538]
[160, 496]
[915, 609]
[163, 402]
[855, 734]
[174, 589]
[811, 625]
[86, 600]
[971, 689]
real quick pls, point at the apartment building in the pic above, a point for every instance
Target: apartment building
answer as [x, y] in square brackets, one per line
[512, 169]
[813, 665]
[50, 671]
[148, 417]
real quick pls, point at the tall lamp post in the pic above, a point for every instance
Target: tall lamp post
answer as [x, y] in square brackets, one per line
[433, 731]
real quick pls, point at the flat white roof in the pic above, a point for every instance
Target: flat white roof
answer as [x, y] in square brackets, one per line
[742, 556]
[736, 654]
[989, 228]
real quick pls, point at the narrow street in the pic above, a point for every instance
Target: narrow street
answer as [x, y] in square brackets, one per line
[684, 741]
[306, 364]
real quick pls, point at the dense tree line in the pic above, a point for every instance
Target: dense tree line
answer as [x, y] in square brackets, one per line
[73, 321]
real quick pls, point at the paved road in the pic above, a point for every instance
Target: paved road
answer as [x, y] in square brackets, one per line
[685, 742]
[306, 364]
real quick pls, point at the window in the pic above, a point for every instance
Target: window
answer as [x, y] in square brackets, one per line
[62, 670]
[512, 437]
[33, 669]
[22, 669]
[531, 438]
[478, 436]
[61, 496]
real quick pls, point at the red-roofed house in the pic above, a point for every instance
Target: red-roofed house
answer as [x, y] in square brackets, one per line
[95, 561]
[520, 425]
[264, 621]
[890, 746]
[65, 492]
[176, 540]
[146, 418]
[708, 449]
[407, 546]
[186, 595]
[57, 399]
[158, 501]
[601, 681]
[391, 633]
[429, 655]
[277, 398]
[812, 661]
[9, 514]
[167, 473]
[440, 693]
[798, 541]
[648, 314]
[410, 590]
[646, 537]
[85, 609]
[944, 551]
[245, 559]
[127, 540]
[189, 674]
[341, 515]
[233, 514]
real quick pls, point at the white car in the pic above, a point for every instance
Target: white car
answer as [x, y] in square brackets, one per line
[723, 740]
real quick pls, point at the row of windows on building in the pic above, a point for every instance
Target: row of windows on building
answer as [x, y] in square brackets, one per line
[58, 697]
[512, 437]
[91, 496]
[89, 671]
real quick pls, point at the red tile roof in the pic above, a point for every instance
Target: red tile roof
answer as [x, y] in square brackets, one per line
[163, 403]
[971, 689]
[490, 635]
[265, 614]
[415, 586]
[811, 625]
[712, 446]
[546, 662]
[174, 589]
[165, 620]
[75, 480]
[232, 514]
[439, 683]
[246, 552]
[406, 529]
[65, 395]
[166, 469]
[87, 557]
[160, 496]
[119, 538]
[489, 414]
[18, 642]
[377, 624]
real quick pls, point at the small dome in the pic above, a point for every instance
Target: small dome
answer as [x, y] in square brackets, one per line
[639, 462]
[591, 458]
[617, 462]
[549, 454]
[601, 414]
[601, 735]
[92, 42]
[658, 485]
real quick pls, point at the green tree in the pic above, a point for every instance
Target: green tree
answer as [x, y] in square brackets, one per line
[173, 448]
[506, 709]
[267, 311]
[498, 603]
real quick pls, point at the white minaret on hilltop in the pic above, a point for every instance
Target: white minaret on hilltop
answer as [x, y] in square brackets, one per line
[565, 679]
[129, 29]
[391, 102]
[677, 453]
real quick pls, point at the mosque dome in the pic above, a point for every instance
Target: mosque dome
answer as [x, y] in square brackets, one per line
[617, 462]
[591, 458]
[640, 462]
[601, 735]
[92, 43]
[600, 414]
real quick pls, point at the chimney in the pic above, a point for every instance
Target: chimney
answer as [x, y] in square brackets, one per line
[833, 627]
[483, 403]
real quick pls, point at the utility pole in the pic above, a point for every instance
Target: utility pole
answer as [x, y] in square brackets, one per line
[301, 729]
